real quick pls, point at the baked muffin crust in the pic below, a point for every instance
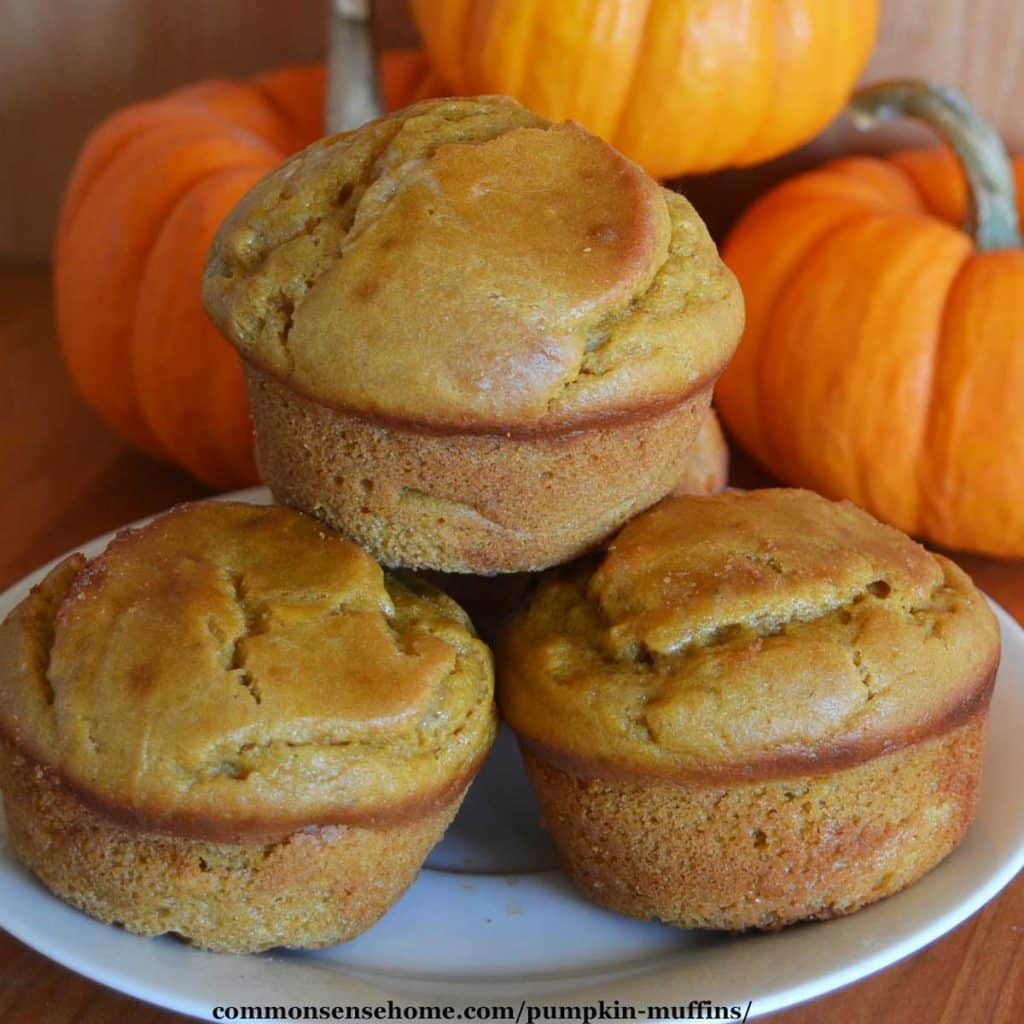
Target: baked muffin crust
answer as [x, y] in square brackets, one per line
[396, 273]
[237, 672]
[746, 635]
[764, 853]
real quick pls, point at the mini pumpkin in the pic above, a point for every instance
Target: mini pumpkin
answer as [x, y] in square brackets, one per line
[883, 358]
[678, 86]
[150, 187]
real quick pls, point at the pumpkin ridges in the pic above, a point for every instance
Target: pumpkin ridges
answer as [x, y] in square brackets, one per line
[195, 395]
[781, 51]
[892, 362]
[781, 307]
[737, 393]
[102, 145]
[299, 94]
[617, 112]
[809, 80]
[134, 171]
[717, 86]
[786, 222]
[407, 76]
[779, 85]
[127, 127]
[980, 363]
[96, 319]
[582, 60]
[128, 124]
[777, 45]
[443, 29]
[888, 186]
[937, 178]
[940, 181]
[882, 318]
[596, 80]
[495, 43]
[993, 219]
[714, 111]
[198, 94]
[242, 106]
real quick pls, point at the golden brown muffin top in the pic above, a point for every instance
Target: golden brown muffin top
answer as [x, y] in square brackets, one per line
[754, 634]
[466, 265]
[237, 671]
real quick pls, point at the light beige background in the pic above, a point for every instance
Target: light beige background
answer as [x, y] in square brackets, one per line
[66, 64]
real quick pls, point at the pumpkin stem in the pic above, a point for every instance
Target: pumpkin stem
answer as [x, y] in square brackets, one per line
[353, 93]
[992, 218]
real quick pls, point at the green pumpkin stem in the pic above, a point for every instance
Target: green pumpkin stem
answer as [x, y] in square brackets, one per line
[992, 218]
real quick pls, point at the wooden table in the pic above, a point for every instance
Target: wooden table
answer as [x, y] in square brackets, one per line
[66, 478]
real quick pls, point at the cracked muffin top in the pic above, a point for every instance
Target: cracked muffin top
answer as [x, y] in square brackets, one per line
[465, 264]
[757, 634]
[231, 671]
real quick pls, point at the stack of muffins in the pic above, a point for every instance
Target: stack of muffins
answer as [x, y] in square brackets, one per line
[480, 343]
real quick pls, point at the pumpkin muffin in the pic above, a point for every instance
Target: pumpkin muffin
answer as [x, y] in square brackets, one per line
[232, 725]
[474, 341]
[492, 601]
[752, 709]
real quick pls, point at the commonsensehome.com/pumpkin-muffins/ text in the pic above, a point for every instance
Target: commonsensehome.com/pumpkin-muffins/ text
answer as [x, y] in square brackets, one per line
[524, 1013]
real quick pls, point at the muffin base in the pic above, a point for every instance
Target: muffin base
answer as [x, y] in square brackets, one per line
[763, 854]
[314, 888]
[479, 503]
[493, 601]
[704, 465]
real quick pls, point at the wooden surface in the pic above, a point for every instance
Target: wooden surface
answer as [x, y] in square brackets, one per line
[66, 478]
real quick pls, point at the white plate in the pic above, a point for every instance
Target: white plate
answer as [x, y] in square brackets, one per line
[490, 920]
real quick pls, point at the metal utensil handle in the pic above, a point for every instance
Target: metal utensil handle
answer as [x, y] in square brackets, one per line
[353, 93]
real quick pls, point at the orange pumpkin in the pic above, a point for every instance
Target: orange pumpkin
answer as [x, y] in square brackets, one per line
[883, 359]
[679, 86]
[150, 188]
[407, 76]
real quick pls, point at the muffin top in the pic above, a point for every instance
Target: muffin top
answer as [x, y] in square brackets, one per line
[746, 635]
[466, 265]
[232, 671]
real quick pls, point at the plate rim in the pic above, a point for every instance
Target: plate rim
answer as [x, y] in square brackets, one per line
[319, 976]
